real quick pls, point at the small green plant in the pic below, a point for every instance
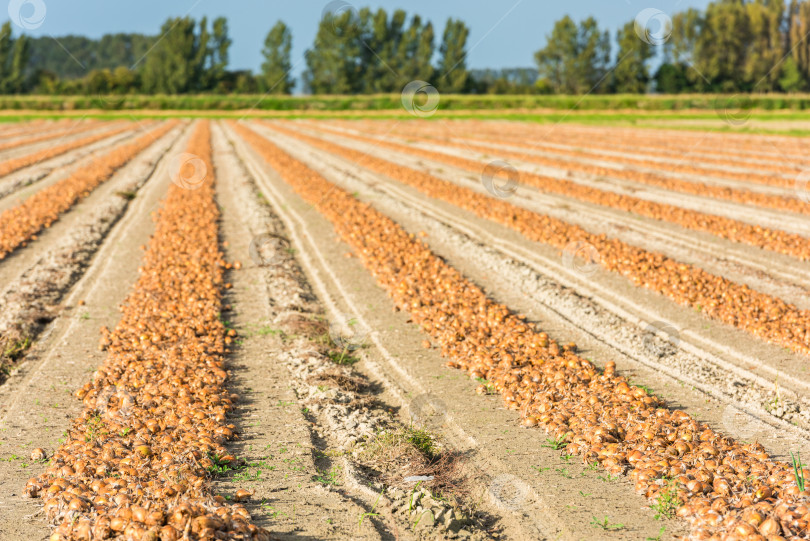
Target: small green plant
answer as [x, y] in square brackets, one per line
[129, 196]
[16, 348]
[422, 440]
[371, 513]
[326, 477]
[219, 467]
[410, 497]
[660, 535]
[798, 470]
[556, 444]
[605, 524]
[342, 357]
[94, 428]
[667, 502]
[489, 386]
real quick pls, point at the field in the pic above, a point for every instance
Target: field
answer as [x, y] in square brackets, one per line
[527, 325]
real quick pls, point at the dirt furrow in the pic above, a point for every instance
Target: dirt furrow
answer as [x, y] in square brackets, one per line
[598, 414]
[37, 402]
[507, 465]
[771, 146]
[762, 315]
[52, 134]
[732, 229]
[731, 168]
[774, 274]
[20, 224]
[48, 171]
[135, 463]
[581, 300]
[13, 164]
[337, 473]
[33, 299]
[600, 147]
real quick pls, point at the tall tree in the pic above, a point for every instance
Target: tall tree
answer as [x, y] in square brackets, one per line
[14, 56]
[556, 62]
[799, 20]
[201, 71]
[722, 45]
[452, 69]
[333, 62]
[276, 68]
[575, 59]
[219, 52]
[676, 73]
[631, 74]
[172, 65]
[416, 51]
[766, 52]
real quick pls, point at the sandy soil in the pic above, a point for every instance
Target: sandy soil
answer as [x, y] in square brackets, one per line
[301, 434]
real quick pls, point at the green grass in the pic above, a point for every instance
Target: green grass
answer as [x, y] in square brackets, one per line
[623, 109]
[798, 470]
[555, 444]
[667, 502]
[387, 102]
[326, 477]
[605, 524]
[15, 349]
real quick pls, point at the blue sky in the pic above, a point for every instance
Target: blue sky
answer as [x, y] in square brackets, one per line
[503, 33]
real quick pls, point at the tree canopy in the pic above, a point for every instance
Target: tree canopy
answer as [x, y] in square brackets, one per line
[731, 46]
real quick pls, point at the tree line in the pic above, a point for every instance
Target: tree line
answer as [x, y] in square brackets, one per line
[731, 46]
